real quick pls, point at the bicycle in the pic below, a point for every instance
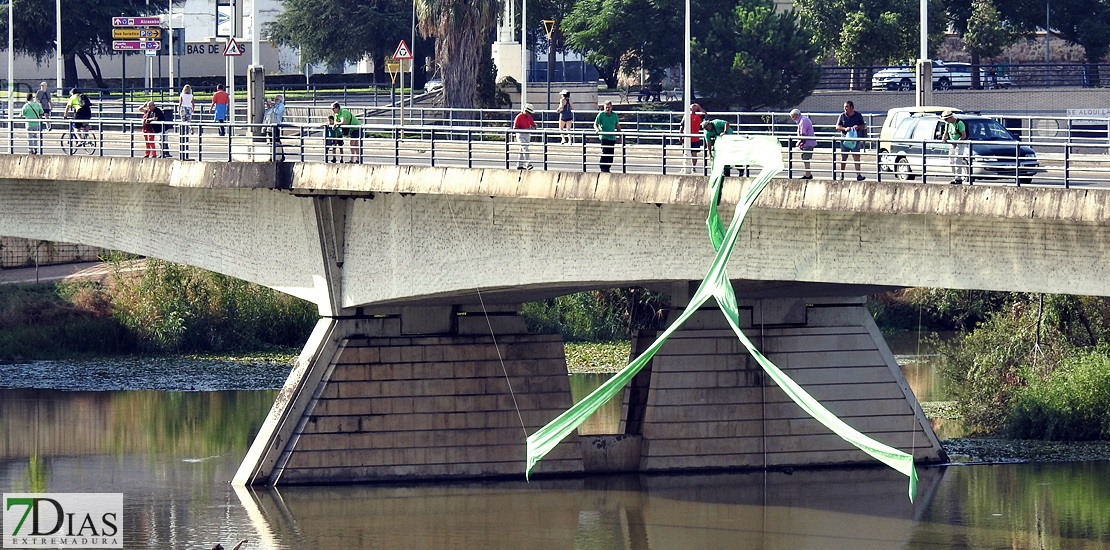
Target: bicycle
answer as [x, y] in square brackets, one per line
[75, 140]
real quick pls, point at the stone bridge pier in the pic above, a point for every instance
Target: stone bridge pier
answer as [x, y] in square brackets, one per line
[435, 392]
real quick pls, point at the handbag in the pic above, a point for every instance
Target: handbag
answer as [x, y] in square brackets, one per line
[851, 133]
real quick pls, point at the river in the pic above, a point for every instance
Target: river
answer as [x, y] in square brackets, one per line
[172, 454]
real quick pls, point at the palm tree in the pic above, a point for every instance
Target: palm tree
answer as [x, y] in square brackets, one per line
[462, 31]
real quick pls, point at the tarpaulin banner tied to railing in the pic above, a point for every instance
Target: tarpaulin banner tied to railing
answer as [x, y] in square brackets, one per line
[730, 150]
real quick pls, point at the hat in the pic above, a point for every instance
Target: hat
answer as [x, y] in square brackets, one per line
[794, 113]
[528, 108]
[947, 113]
[564, 92]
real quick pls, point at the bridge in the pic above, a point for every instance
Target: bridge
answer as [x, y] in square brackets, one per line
[421, 367]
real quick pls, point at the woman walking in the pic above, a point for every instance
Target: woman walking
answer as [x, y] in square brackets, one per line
[566, 118]
[150, 117]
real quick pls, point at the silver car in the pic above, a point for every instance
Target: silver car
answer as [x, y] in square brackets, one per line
[917, 149]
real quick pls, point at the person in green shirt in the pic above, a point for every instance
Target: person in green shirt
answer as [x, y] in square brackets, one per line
[32, 112]
[607, 124]
[959, 151]
[351, 127]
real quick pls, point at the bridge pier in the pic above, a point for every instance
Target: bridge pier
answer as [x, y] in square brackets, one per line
[703, 402]
[423, 394]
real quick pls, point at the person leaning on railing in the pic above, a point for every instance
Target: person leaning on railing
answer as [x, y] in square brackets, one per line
[352, 128]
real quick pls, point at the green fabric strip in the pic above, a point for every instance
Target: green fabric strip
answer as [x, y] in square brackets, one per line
[732, 150]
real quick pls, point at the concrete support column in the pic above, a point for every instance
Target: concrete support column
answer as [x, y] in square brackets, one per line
[371, 401]
[705, 403]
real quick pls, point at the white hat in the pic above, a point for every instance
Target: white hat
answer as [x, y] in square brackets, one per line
[528, 108]
[794, 113]
[564, 92]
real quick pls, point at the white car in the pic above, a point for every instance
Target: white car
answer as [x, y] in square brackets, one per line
[433, 84]
[904, 78]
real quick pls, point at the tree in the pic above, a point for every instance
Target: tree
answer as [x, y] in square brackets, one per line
[868, 32]
[86, 31]
[1080, 22]
[754, 57]
[464, 33]
[339, 31]
[625, 35]
[986, 35]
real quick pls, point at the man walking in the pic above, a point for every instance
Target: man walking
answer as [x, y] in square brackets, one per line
[523, 124]
[805, 142]
[692, 126]
[43, 97]
[220, 101]
[32, 112]
[851, 125]
[959, 151]
[607, 124]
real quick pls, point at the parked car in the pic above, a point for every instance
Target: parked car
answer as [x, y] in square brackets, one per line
[960, 75]
[995, 152]
[894, 118]
[433, 84]
[905, 78]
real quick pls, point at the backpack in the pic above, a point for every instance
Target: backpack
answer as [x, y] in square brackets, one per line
[84, 99]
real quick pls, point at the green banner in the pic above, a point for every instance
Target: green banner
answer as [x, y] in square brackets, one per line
[730, 150]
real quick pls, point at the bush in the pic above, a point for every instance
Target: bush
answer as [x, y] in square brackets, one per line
[597, 316]
[1068, 404]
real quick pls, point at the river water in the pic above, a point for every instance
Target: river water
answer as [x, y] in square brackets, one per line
[172, 454]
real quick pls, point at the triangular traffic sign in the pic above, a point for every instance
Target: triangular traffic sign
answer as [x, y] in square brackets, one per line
[232, 49]
[403, 52]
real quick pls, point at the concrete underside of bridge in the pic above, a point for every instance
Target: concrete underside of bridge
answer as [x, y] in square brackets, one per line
[432, 393]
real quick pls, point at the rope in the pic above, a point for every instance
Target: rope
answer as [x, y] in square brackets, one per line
[485, 313]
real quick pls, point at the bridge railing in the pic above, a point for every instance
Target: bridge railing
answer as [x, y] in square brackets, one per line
[1061, 162]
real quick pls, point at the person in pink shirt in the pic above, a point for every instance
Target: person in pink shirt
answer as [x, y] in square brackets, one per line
[805, 142]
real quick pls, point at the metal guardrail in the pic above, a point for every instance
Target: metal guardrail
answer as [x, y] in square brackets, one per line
[647, 147]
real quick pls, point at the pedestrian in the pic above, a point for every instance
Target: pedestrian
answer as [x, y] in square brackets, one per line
[805, 142]
[714, 129]
[692, 127]
[150, 128]
[185, 105]
[607, 124]
[333, 139]
[275, 113]
[32, 113]
[566, 118]
[220, 102]
[959, 152]
[351, 129]
[523, 124]
[43, 97]
[851, 125]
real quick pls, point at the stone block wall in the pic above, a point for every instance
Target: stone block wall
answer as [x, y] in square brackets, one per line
[433, 407]
[17, 252]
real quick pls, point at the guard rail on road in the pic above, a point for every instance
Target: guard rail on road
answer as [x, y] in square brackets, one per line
[1063, 163]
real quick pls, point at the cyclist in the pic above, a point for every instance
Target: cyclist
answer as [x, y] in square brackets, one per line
[82, 110]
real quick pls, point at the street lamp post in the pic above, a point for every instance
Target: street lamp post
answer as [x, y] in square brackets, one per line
[523, 53]
[58, 43]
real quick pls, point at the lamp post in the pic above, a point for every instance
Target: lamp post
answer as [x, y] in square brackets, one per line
[549, 30]
[11, 60]
[1047, 49]
[523, 53]
[58, 43]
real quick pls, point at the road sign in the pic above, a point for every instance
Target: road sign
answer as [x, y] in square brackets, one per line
[124, 34]
[232, 49]
[152, 53]
[135, 45]
[393, 67]
[136, 21]
[403, 52]
[548, 27]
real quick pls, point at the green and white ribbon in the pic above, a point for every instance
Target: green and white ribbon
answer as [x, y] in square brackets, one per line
[730, 150]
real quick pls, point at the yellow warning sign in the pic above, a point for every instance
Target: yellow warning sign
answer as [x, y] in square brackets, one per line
[393, 68]
[549, 27]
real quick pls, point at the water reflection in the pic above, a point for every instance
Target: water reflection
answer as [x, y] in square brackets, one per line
[173, 453]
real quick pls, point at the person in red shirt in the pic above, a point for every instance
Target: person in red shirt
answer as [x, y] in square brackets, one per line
[693, 128]
[523, 123]
[220, 101]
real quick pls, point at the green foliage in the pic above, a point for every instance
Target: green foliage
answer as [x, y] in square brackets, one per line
[1080, 22]
[986, 367]
[336, 31]
[1069, 404]
[755, 58]
[871, 32]
[600, 315]
[50, 321]
[626, 35]
[987, 33]
[597, 356]
[462, 29]
[172, 307]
